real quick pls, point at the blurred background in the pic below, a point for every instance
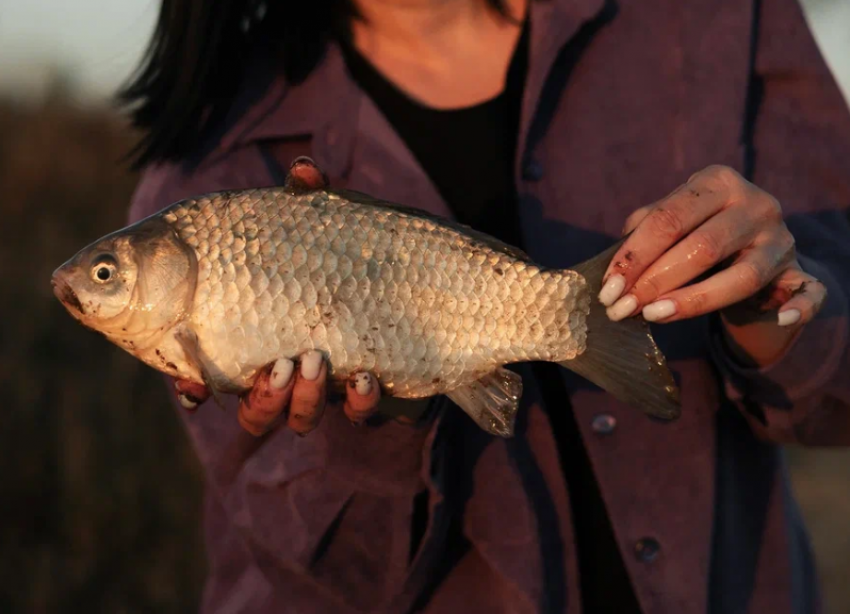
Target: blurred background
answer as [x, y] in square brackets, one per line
[101, 491]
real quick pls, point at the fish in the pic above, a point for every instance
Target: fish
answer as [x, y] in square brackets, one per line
[214, 288]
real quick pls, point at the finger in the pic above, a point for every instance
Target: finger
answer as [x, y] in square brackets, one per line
[267, 399]
[749, 274]
[362, 396]
[636, 216]
[658, 231]
[308, 394]
[190, 394]
[721, 236]
[806, 295]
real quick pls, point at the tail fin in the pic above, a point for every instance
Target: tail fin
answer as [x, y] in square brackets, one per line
[621, 357]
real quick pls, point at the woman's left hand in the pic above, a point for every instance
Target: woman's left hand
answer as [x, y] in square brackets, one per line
[716, 222]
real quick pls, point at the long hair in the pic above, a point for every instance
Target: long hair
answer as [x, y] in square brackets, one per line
[197, 57]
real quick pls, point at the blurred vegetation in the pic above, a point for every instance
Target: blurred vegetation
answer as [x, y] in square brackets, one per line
[821, 479]
[101, 491]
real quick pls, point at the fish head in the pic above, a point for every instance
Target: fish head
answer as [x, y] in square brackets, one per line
[98, 283]
[132, 285]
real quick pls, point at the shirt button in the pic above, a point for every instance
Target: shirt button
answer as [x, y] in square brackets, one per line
[603, 424]
[532, 171]
[647, 549]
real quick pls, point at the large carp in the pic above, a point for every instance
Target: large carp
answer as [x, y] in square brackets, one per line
[214, 288]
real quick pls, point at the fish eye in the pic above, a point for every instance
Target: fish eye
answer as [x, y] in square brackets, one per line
[103, 269]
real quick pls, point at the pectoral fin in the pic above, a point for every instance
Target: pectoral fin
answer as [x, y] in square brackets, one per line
[492, 401]
[188, 340]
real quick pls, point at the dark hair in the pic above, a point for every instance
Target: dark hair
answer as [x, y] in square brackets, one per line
[196, 60]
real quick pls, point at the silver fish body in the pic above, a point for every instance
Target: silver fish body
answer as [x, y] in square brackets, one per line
[214, 288]
[424, 307]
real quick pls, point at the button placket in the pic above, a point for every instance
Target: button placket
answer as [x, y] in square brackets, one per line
[647, 549]
[532, 170]
[603, 424]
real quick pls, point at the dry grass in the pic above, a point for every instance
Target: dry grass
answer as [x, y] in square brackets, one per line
[101, 491]
[822, 481]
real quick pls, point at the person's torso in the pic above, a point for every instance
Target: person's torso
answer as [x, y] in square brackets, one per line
[619, 108]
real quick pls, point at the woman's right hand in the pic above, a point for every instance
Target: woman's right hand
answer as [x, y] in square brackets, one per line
[292, 393]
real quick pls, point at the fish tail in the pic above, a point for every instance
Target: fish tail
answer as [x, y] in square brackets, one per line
[622, 357]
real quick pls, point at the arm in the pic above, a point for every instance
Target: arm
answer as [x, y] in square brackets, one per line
[776, 251]
[801, 144]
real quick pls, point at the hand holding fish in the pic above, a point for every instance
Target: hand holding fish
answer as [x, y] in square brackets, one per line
[298, 395]
[290, 394]
[715, 220]
[225, 292]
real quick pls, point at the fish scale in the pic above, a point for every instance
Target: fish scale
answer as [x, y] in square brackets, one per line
[215, 288]
[422, 306]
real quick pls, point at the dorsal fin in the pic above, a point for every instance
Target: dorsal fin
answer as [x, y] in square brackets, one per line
[305, 176]
[476, 235]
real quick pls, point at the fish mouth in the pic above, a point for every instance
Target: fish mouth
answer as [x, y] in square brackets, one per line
[67, 296]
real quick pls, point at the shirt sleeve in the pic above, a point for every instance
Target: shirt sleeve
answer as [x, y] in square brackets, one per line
[801, 155]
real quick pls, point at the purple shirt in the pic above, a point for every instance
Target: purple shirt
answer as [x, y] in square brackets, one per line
[620, 107]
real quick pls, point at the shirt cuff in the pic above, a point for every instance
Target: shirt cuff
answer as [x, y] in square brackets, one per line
[809, 362]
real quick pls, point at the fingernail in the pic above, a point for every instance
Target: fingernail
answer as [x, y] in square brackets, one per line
[363, 384]
[311, 364]
[623, 308]
[281, 373]
[659, 310]
[612, 290]
[186, 402]
[789, 317]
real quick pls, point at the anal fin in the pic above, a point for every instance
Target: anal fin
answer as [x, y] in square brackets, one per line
[188, 340]
[491, 401]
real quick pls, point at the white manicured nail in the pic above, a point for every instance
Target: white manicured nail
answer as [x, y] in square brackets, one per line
[186, 401]
[623, 308]
[281, 373]
[311, 364]
[612, 290]
[363, 384]
[659, 310]
[789, 317]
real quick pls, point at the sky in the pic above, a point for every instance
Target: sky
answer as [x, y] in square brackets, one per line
[99, 42]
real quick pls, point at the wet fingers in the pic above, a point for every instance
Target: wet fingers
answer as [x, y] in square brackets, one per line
[362, 396]
[807, 297]
[308, 393]
[190, 394]
[261, 407]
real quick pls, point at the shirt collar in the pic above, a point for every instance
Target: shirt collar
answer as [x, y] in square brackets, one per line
[327, 104]
[554, 23]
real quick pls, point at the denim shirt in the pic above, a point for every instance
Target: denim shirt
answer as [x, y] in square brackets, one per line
[624, 101]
